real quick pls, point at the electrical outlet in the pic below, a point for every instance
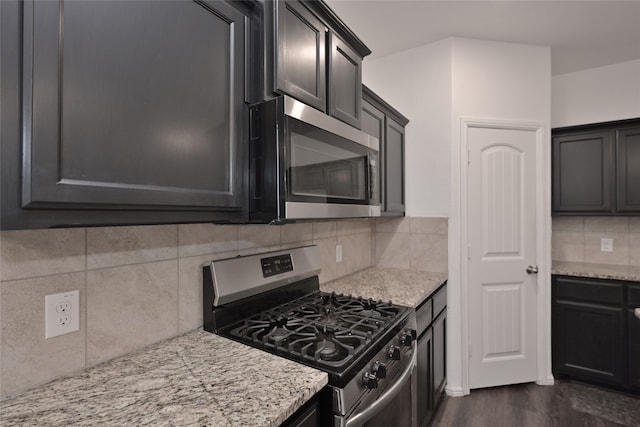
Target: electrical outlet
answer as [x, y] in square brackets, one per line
[338, 253]
[61, 313]
[606, 245]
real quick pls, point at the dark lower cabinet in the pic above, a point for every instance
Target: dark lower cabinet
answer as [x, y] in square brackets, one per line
[431, 355]
[131, 112]
[425, 377]
[594, 335]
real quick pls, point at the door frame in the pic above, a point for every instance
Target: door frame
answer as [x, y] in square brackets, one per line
[458, 333]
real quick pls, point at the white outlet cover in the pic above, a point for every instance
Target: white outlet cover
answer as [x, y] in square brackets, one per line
[606, 245]
[61, 313]
[338, 253]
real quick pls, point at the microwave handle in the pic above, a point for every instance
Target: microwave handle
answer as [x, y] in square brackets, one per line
[373, 177]
[362, 417]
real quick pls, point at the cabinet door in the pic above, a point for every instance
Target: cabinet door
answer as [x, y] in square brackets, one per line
[300, 54]
[439, 357]
[634, 349]
[582, 168]
[373, 124]
[425, 378]
[393, 197]
[588, 341]
[133, 105]
[345, 80]
[628, 162]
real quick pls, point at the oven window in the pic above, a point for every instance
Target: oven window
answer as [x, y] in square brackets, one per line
[325, 165]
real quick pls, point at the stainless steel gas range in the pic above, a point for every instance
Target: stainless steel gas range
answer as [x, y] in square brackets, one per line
[273, 301]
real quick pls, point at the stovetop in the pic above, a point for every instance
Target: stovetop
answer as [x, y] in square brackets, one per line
[273, 302]
[325, 330]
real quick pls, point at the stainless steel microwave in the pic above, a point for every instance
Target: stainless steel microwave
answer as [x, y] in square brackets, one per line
[307, 165]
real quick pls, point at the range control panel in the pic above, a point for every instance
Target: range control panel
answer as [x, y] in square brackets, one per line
[276, 264]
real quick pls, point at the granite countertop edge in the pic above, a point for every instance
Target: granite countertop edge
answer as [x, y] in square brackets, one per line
[198, 378]
[596, 271]
[401, 286]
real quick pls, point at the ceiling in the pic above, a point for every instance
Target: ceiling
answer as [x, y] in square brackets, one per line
[581, 34]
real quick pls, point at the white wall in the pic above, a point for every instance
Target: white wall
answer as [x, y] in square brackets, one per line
[596, 95]
[434, 86]
[417, 82]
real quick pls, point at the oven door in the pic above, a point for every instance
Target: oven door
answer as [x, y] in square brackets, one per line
[396, 406]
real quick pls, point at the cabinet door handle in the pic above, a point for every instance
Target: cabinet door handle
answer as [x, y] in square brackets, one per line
[637, 311]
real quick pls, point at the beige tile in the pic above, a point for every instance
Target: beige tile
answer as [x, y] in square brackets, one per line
[252, 236]
[259, 250]
[393, 225]
[324, 229]
[429, 225]
[130, 307]
[634, 249]
[327, 249]
[429, 252]
[567, 246]
[115, 246]
[353, 226]
[190, 289]
[393, 250]
[592, 252]
[32, 253]
[296, 244]
[299, 232]
[356, 253]
[201, 239]
[634, 224]
[28, 359]
[615, 224]
[567, 223]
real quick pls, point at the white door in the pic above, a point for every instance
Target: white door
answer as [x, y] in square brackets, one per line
[501, 230]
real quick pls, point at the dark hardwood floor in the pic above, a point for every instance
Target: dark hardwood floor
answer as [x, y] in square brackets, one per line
[565, 404]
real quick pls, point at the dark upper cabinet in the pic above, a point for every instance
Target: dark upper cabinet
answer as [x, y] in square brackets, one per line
[345, 77]
[300, 64]
[628, 169]
[314, 57]
[132, 113]
[596, 169]
[384, 122]
[582, 179]
[595, 333]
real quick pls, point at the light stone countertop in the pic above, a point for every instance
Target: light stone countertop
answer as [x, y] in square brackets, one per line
[596, 271]
[197, 379]
[403, 287]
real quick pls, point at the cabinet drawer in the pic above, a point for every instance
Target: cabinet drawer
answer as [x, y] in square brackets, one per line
[440, 301]
[589, 290]
[634, 295]
[424, 315]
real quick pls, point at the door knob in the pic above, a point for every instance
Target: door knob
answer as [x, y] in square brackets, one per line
[532, 269]
[637, 311]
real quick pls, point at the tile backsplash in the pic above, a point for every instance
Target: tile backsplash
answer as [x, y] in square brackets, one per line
[578, 239]
[417, 243]
[138, 285]
[142, 284]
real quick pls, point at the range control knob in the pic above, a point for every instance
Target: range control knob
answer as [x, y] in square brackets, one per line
[379, 370]
[406, 338]
[369, 380]
[394, 353]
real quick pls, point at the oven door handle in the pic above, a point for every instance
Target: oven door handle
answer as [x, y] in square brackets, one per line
[364, 416]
